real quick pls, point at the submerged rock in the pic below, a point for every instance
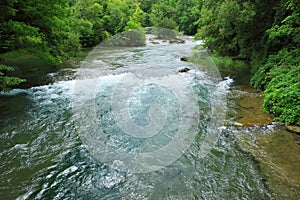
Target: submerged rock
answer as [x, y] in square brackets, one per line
[278, 156]
[249, 110]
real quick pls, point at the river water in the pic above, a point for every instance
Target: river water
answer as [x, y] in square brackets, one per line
[127, 126]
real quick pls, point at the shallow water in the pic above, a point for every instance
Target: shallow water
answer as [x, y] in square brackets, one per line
[70, 139]
[277, 151]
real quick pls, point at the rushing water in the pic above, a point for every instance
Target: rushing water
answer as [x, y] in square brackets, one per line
[47, 133]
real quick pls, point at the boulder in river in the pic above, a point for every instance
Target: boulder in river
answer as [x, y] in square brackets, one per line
[183, 70]
[185, 59]
[155, 42]
[238, 124]
[176, 41]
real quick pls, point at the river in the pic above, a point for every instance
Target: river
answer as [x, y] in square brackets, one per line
[127, 125]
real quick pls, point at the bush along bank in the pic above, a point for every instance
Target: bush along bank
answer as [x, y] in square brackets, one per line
[267, 34]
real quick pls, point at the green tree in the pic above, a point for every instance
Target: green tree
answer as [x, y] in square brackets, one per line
[89, 21]
[6, 82]
[225, 27]
[39, 25]
[146, 6]
[188, 12]
[121, 15]
[267, 33]
[163, 14]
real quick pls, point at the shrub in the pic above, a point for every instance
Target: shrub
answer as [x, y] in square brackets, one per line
[6, 82]
[279, 76]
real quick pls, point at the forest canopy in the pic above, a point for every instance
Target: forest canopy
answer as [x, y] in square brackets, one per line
[266, 33]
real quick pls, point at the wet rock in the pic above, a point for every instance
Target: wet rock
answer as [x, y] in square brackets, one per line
[176, 41]
[185, 59]
[183, 70]
[238, 124]
[295, 129]
[154, 42]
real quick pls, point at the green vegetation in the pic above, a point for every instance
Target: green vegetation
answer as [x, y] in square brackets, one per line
[267, 34]
[56, 30]
[130, 38]
[226, 61]
[263, 33]
[7, 81]
[280, 77]
[181, 15]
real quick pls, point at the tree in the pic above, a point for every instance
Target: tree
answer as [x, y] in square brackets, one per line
[163, 14]
[122, 15]
[43, 25]
[188, 12]
[225, 26]
[89, 22]
[267, 33]
[6, 82]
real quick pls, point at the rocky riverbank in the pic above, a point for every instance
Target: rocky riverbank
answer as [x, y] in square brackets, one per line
[274, 146]
[248, 108]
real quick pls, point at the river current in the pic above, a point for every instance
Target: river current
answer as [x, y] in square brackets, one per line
[128, 126]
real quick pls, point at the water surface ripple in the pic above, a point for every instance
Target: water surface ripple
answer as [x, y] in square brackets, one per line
[43, 155]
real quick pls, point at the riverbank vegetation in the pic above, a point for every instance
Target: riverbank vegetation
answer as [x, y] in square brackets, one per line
[57, 30]
[265, 34]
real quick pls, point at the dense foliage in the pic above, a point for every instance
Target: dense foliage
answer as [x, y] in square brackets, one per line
[181, 15]
[56, 30]
[280, 77]
[267, 33]
[130, 38]
[7, 81]
[61, 27]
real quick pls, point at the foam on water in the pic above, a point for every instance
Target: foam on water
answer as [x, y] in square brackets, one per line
[44, 155]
